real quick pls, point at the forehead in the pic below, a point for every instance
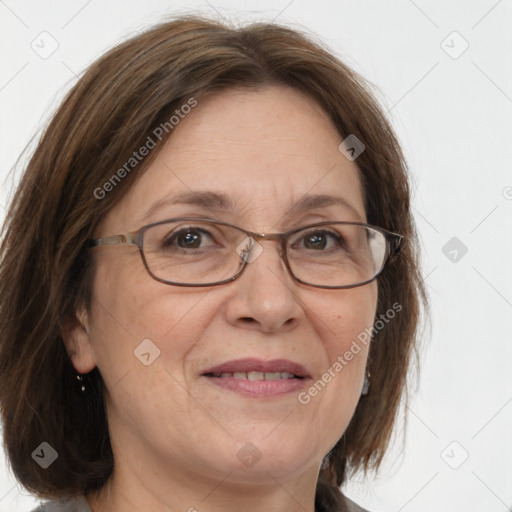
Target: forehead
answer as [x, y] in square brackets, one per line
[263, 150]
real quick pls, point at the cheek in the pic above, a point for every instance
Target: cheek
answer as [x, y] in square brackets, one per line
[345, 322]
[348, 314]
[130, 307]
[348, 351]
[142, 333]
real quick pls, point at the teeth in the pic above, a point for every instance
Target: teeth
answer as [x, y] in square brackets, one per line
[257, 375]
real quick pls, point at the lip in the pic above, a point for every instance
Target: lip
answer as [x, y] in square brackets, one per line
[259, 388]
[259, 365]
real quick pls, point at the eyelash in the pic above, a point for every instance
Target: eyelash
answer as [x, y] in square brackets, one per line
[174, 236]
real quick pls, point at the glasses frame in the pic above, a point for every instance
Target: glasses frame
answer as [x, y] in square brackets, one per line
[393, 246]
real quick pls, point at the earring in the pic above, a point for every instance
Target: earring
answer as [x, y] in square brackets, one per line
[366, 384]
[325, 462]
[80, 380]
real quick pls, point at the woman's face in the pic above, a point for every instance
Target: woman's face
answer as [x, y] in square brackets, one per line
[264, 151]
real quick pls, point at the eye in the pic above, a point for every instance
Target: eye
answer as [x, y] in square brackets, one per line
[320, 240]
[188, 238]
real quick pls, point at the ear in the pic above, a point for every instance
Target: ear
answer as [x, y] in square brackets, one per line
[75, 333]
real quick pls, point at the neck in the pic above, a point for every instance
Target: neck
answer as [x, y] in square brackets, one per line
[134, 489]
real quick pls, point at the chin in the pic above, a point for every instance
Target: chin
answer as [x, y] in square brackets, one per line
[270, 468]
[258, 460]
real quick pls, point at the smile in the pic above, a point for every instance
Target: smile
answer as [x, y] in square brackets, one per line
[257, 375]
[258, 378]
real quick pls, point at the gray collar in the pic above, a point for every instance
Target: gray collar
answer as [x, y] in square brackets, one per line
[78, 504]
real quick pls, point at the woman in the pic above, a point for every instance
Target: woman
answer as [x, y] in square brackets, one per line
[209, 283]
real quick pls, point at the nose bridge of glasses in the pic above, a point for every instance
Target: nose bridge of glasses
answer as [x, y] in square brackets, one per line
[269, 237]
[249, 249]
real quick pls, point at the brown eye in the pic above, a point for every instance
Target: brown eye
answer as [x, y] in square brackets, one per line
[320, 241]
[189, 238]
[315, 241]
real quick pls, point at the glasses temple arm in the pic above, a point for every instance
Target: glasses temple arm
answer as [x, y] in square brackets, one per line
[128, 238]
[397, 244]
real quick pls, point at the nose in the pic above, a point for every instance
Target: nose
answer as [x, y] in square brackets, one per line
[265, 296]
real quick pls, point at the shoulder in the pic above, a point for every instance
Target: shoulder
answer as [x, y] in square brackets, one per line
[350, 506]
[65, 505]
[332, 499]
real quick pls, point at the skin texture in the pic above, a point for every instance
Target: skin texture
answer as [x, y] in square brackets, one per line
[174, 434]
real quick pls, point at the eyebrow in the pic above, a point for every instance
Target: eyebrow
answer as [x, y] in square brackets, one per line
[222, 202]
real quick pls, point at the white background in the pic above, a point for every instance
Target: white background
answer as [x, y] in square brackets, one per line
[453, 116]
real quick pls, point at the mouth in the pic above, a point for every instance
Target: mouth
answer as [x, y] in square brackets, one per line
[257, 378]
[254, 375]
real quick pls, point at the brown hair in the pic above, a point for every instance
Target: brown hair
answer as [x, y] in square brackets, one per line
[46, 273]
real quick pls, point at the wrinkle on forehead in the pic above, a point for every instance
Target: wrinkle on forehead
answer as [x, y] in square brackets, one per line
[265, 149]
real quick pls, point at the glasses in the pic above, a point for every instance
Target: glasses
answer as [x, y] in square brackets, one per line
[203, 252]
